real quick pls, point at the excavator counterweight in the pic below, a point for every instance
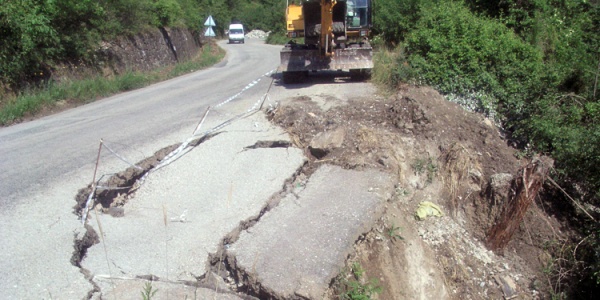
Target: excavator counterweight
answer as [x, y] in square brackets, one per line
[335, 36]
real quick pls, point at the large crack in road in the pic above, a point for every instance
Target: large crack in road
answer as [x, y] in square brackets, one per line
[117, 185]
[113, 201]
[220, 263]
[196, 217]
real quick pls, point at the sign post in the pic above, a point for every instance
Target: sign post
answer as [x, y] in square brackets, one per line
[209, 32]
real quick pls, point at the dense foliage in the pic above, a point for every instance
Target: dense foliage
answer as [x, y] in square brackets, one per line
[533, 65]
[36, 34]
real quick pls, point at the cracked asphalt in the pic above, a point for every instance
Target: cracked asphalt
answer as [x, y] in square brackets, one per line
[46, 161]
[205, 195]
[180, 229]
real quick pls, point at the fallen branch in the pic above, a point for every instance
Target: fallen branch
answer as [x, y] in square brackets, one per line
[574, 201]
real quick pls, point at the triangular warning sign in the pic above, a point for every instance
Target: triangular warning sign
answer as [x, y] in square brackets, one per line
[210, 21]
[209, 32]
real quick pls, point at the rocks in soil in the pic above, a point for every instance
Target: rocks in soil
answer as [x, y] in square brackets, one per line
[408, 115]
[500, 187]
[508, 286]
[324, 142]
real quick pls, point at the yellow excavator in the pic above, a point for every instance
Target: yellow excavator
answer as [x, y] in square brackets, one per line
[336, 37]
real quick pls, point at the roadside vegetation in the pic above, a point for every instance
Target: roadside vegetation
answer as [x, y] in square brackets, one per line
[531, 66]
[280, 38]
[352, 284]
[37, 36]
[73, 92]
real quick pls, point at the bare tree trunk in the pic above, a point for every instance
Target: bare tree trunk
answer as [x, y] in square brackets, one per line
[528, 184]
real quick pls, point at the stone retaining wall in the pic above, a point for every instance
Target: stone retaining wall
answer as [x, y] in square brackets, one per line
[143, 52]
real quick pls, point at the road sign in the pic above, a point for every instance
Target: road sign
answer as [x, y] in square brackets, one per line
[209, 32]
[209, 22]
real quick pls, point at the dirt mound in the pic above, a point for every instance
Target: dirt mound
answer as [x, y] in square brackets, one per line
[440, 153]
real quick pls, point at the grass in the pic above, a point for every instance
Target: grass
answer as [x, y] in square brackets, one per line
[418, 166]
[77, 92]
[393, 233]
[391, 68]
[206, 58]
[148, 292]
[280, 38]
[352, 285]
[425, 166]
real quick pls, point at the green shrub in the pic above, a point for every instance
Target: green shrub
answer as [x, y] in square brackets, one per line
[166, 12]
[126, 17]
[534, 62]
[280, 38]
[391, 67]
[460, 53]
[28, 39]
[395, 19]
[568, 128]
[351, 284]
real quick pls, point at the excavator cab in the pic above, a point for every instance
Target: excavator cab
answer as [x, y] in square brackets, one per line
[358, 13]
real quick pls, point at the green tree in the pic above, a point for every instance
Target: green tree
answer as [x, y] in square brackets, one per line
[125, 17]
[166, 13]
[77, 25]
[393, 19]
[27, 39]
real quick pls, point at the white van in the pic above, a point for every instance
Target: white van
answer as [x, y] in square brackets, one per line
[236, 33]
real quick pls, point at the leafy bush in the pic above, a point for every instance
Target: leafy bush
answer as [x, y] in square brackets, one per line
[126, 17]
[166, 12]
[190, 14]
[267, 15]
[392, 67]
[28, 37]
[535, 62]
[461, 53]
[568, 128]
[395, 19]
[36, 34]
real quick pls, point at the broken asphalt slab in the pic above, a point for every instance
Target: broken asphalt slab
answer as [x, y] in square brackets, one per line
[183, 211]
[298, 247]
[37, 244]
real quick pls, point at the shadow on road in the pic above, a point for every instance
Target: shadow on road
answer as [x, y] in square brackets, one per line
[315, 78]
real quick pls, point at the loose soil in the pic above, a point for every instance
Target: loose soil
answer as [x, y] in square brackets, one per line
[438, 152]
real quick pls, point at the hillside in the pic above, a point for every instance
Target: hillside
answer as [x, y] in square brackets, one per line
[441, 153]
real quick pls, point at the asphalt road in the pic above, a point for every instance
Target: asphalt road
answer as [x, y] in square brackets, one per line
[43, 163]
[37, 154]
